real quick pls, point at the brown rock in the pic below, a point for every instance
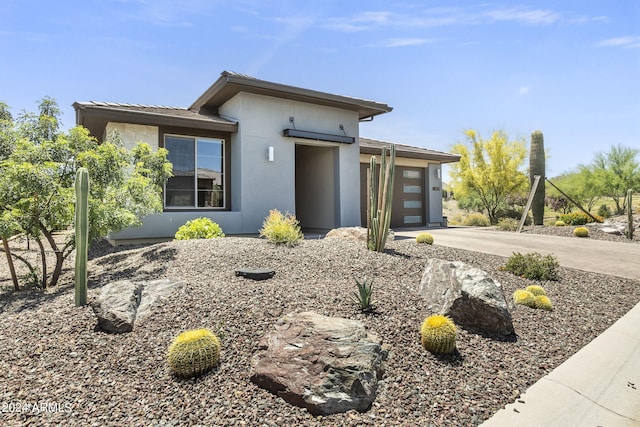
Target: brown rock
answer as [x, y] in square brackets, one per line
[324, 364]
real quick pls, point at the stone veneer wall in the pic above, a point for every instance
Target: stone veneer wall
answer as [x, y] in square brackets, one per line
[132, 134]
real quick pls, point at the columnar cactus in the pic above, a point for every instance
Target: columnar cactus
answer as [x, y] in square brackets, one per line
[537, 167]
[380, 197]
[194, 352]
[438, 334]
[82, 235]
[629, 214]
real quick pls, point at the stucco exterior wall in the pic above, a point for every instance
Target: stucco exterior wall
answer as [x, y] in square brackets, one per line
[259, 185]
[132, 134]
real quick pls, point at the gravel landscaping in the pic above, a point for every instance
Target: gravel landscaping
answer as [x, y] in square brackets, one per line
[52, 354]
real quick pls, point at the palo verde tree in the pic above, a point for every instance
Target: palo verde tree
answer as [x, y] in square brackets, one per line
[616, 172]
[37, 184]
[489, 169]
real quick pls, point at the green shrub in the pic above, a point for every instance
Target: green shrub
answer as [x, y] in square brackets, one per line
[476, 220]
[577, 218]
[199, 228]
[533, 266]
[508, 224]
[560, 224]
[424, 238]
[364, 295]
[193, 352]
[604, 211]
[581, 232]
[438, 334]
[281, 228]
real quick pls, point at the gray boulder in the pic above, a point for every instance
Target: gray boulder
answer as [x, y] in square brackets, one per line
[466, 294]
[324, 364]
[120, 304]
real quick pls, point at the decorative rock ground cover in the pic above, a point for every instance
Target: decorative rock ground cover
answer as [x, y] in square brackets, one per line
[52, 355]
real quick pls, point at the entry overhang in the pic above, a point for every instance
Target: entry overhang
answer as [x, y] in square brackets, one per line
[318, 136]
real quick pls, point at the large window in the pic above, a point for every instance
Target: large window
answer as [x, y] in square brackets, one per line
[198, 172]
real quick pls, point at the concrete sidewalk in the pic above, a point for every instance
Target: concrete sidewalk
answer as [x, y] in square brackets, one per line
[600, 384]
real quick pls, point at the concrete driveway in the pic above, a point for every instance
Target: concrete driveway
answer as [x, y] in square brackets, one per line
[612, 258]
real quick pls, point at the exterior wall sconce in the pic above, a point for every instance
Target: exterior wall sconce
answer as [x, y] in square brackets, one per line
[271, 153]
[438, 173]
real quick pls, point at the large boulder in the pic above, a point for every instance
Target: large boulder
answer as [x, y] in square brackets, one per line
[120, 304]
[324, 364]
[354, 233]
[466, 294]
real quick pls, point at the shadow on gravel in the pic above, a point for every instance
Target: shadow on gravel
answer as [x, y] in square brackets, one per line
[29, 297]
[453, 359]
[131, 265]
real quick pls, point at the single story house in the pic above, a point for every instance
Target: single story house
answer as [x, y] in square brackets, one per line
[246, 146]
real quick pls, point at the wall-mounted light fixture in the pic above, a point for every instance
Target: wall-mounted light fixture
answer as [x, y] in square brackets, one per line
[438, 173]
[271, 153]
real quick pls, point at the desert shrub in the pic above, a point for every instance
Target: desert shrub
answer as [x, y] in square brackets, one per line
[424, 238]
[508, 224]
[281, 228]
[578, 218]
[193, 352]
[533, 266]
[438, 334]
[559, 223]
[581, 232]
[199, 228]
[558, 204]
[476, 220]
[604, 211]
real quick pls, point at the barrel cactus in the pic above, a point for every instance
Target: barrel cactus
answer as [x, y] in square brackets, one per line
[581, 232]
[523, 297]
[536, 290]
[543, 302]
[438, 334]
[194, 352]
[560, 224]
[424, 238]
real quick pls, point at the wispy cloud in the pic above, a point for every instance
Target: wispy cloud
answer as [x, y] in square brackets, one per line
[524, 16]
[402, 42]
[524, 90]
[438, 17]
[624, 42]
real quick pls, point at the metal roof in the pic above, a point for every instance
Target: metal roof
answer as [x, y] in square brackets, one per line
[230, 84]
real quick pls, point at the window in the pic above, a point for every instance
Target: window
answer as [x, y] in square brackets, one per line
[198, 172]
[412, 219]
[411, 174]
[412, 204]
[412, 188]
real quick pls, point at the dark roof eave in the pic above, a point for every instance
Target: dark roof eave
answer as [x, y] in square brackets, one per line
[442, 158]
[111, 114]
[229, 85]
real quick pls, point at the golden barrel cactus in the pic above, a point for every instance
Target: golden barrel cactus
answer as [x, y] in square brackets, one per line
[438, 334]
[194, 352]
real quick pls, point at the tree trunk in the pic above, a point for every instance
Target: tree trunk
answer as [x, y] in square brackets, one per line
[59, 256]
[12, 269]
[537, 167]
[44, 263]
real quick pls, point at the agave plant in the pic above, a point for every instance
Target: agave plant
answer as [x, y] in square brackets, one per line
[363, 296]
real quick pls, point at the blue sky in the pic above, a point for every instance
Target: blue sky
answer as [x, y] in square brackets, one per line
[569, 68]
